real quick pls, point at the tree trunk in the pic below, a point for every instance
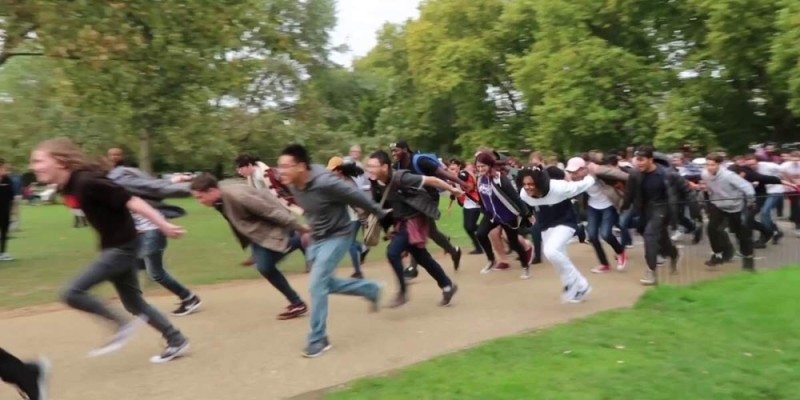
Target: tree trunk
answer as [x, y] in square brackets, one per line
[145, 151]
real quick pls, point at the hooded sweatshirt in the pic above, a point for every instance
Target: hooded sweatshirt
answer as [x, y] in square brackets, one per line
[325, 199]
[728, 191]
[554, 206]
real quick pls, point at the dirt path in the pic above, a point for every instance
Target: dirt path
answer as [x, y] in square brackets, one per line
[240, 351]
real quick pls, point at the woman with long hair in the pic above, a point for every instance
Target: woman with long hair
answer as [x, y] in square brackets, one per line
[349, 171]
[108, 209]
[501, 206]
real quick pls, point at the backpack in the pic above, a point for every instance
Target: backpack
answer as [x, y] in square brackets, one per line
[419, 199]
[418, 156]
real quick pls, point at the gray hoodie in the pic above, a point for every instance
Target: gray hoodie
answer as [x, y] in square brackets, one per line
[152, 190]
[325, 199]
[728, 191]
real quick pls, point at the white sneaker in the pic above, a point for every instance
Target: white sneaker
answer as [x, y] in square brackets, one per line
[576, 292]
[526, 273]
[676, 236]
[121, 338]
[6, 257]
[170, 353]
[488, 267]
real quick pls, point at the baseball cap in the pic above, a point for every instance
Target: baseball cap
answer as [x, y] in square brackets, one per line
[334, 162]
[574, 164]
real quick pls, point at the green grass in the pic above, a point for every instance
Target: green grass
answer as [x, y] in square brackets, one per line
[49, 252]
[735, 338]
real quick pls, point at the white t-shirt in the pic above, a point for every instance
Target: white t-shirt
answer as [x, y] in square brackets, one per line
[771, 169]
[792, 169]
[469, 204]
[143, 224]
[597, 199]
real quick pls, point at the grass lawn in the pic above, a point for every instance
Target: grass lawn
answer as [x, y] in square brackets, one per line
[735, 338]
[49, 252]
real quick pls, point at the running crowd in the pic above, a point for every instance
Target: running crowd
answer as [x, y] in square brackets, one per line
[349, 205]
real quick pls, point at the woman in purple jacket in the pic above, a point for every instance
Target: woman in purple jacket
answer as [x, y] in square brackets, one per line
[502, 207]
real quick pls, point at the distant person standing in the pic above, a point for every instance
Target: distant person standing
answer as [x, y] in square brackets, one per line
[6, 203]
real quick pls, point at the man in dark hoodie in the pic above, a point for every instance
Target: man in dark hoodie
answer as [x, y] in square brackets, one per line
[325, 198]
[654, 192]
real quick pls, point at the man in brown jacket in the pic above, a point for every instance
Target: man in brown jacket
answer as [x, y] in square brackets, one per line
[261, 222]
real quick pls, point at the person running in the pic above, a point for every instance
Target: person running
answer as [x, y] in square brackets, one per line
[501, 206]
[152, 242]
[30, 378]
[325, 198]
[654, 194]
[428, 165]
[730, 196]
[348, 171]
[602, 210]
[6, 204]
[412, 211]
[108, 209]
[264, 224]
[469, 202]
[558, 221]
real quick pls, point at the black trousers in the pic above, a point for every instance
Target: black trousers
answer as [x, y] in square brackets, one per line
[721, 244]
[471, 217]
[654, 229]
[486, 226]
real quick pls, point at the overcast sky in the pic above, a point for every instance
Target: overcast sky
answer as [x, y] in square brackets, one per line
[359, 20]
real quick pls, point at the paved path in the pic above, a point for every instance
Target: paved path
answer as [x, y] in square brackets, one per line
[240, 351]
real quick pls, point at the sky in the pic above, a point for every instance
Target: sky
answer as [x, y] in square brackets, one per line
[359, 20]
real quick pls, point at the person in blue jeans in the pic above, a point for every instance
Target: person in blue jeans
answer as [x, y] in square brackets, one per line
[262, 222]
[152, 243]
[325, 199]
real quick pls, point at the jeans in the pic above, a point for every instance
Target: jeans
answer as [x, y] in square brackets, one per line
[152, 244]
[511, 234]
[325, 255]
[471, 217]
[267, 264]
[656, 236]
[627, 221]
[600, 224]
[771, 203]
[118, 266]
[394, 252]
[554, 242]
[355, 248]
[720, 241]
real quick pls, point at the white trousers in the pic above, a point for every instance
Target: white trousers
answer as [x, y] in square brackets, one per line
[554, 248]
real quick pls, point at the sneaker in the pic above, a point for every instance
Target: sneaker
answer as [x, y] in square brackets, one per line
[457, 258]
[673, 263]
[488, 268]
[410, 272]
[629, 246]
[447, 295]
[622, 261]
[601, 269]
[528, 256]
[660, 260]
[364, 252]
[649, 278]
[400, 300]
[6, 257]
[293, 311]
[34, 387]
[748, 264]
[171, 352]
[357, 275]
[580, 294]
[476, 251]
[777, 237]
[676, 236]
[187, 306]
[317, 348]
[571, 292]
[526, 273]
[698, 233]
[121, 338]
[501, 266]
[714, 261]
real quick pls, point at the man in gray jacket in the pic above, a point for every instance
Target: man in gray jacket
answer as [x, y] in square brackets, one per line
[730, 195]
[325, 198]
[153, 243]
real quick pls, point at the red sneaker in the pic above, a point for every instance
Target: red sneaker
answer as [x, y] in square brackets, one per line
[293, 311]
[501, 266]
[622, 260]
[601, 269]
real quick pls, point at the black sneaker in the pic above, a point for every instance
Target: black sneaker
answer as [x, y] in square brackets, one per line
[410, 272]
[456, 258]
[447, 295]
[187, 306]
[317, 348]
[777, 237]
[476, 251]
[364, 253]
[34, 386]
[357, 275]
[714, 261]
[171, 352]
[698, 233]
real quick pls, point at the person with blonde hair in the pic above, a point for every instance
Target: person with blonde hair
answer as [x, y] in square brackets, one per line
[108, 209]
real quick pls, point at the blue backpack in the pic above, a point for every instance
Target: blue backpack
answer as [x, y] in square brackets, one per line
[415, 161]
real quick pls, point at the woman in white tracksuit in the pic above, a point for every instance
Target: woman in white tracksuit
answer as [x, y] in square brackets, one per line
[558, 221]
